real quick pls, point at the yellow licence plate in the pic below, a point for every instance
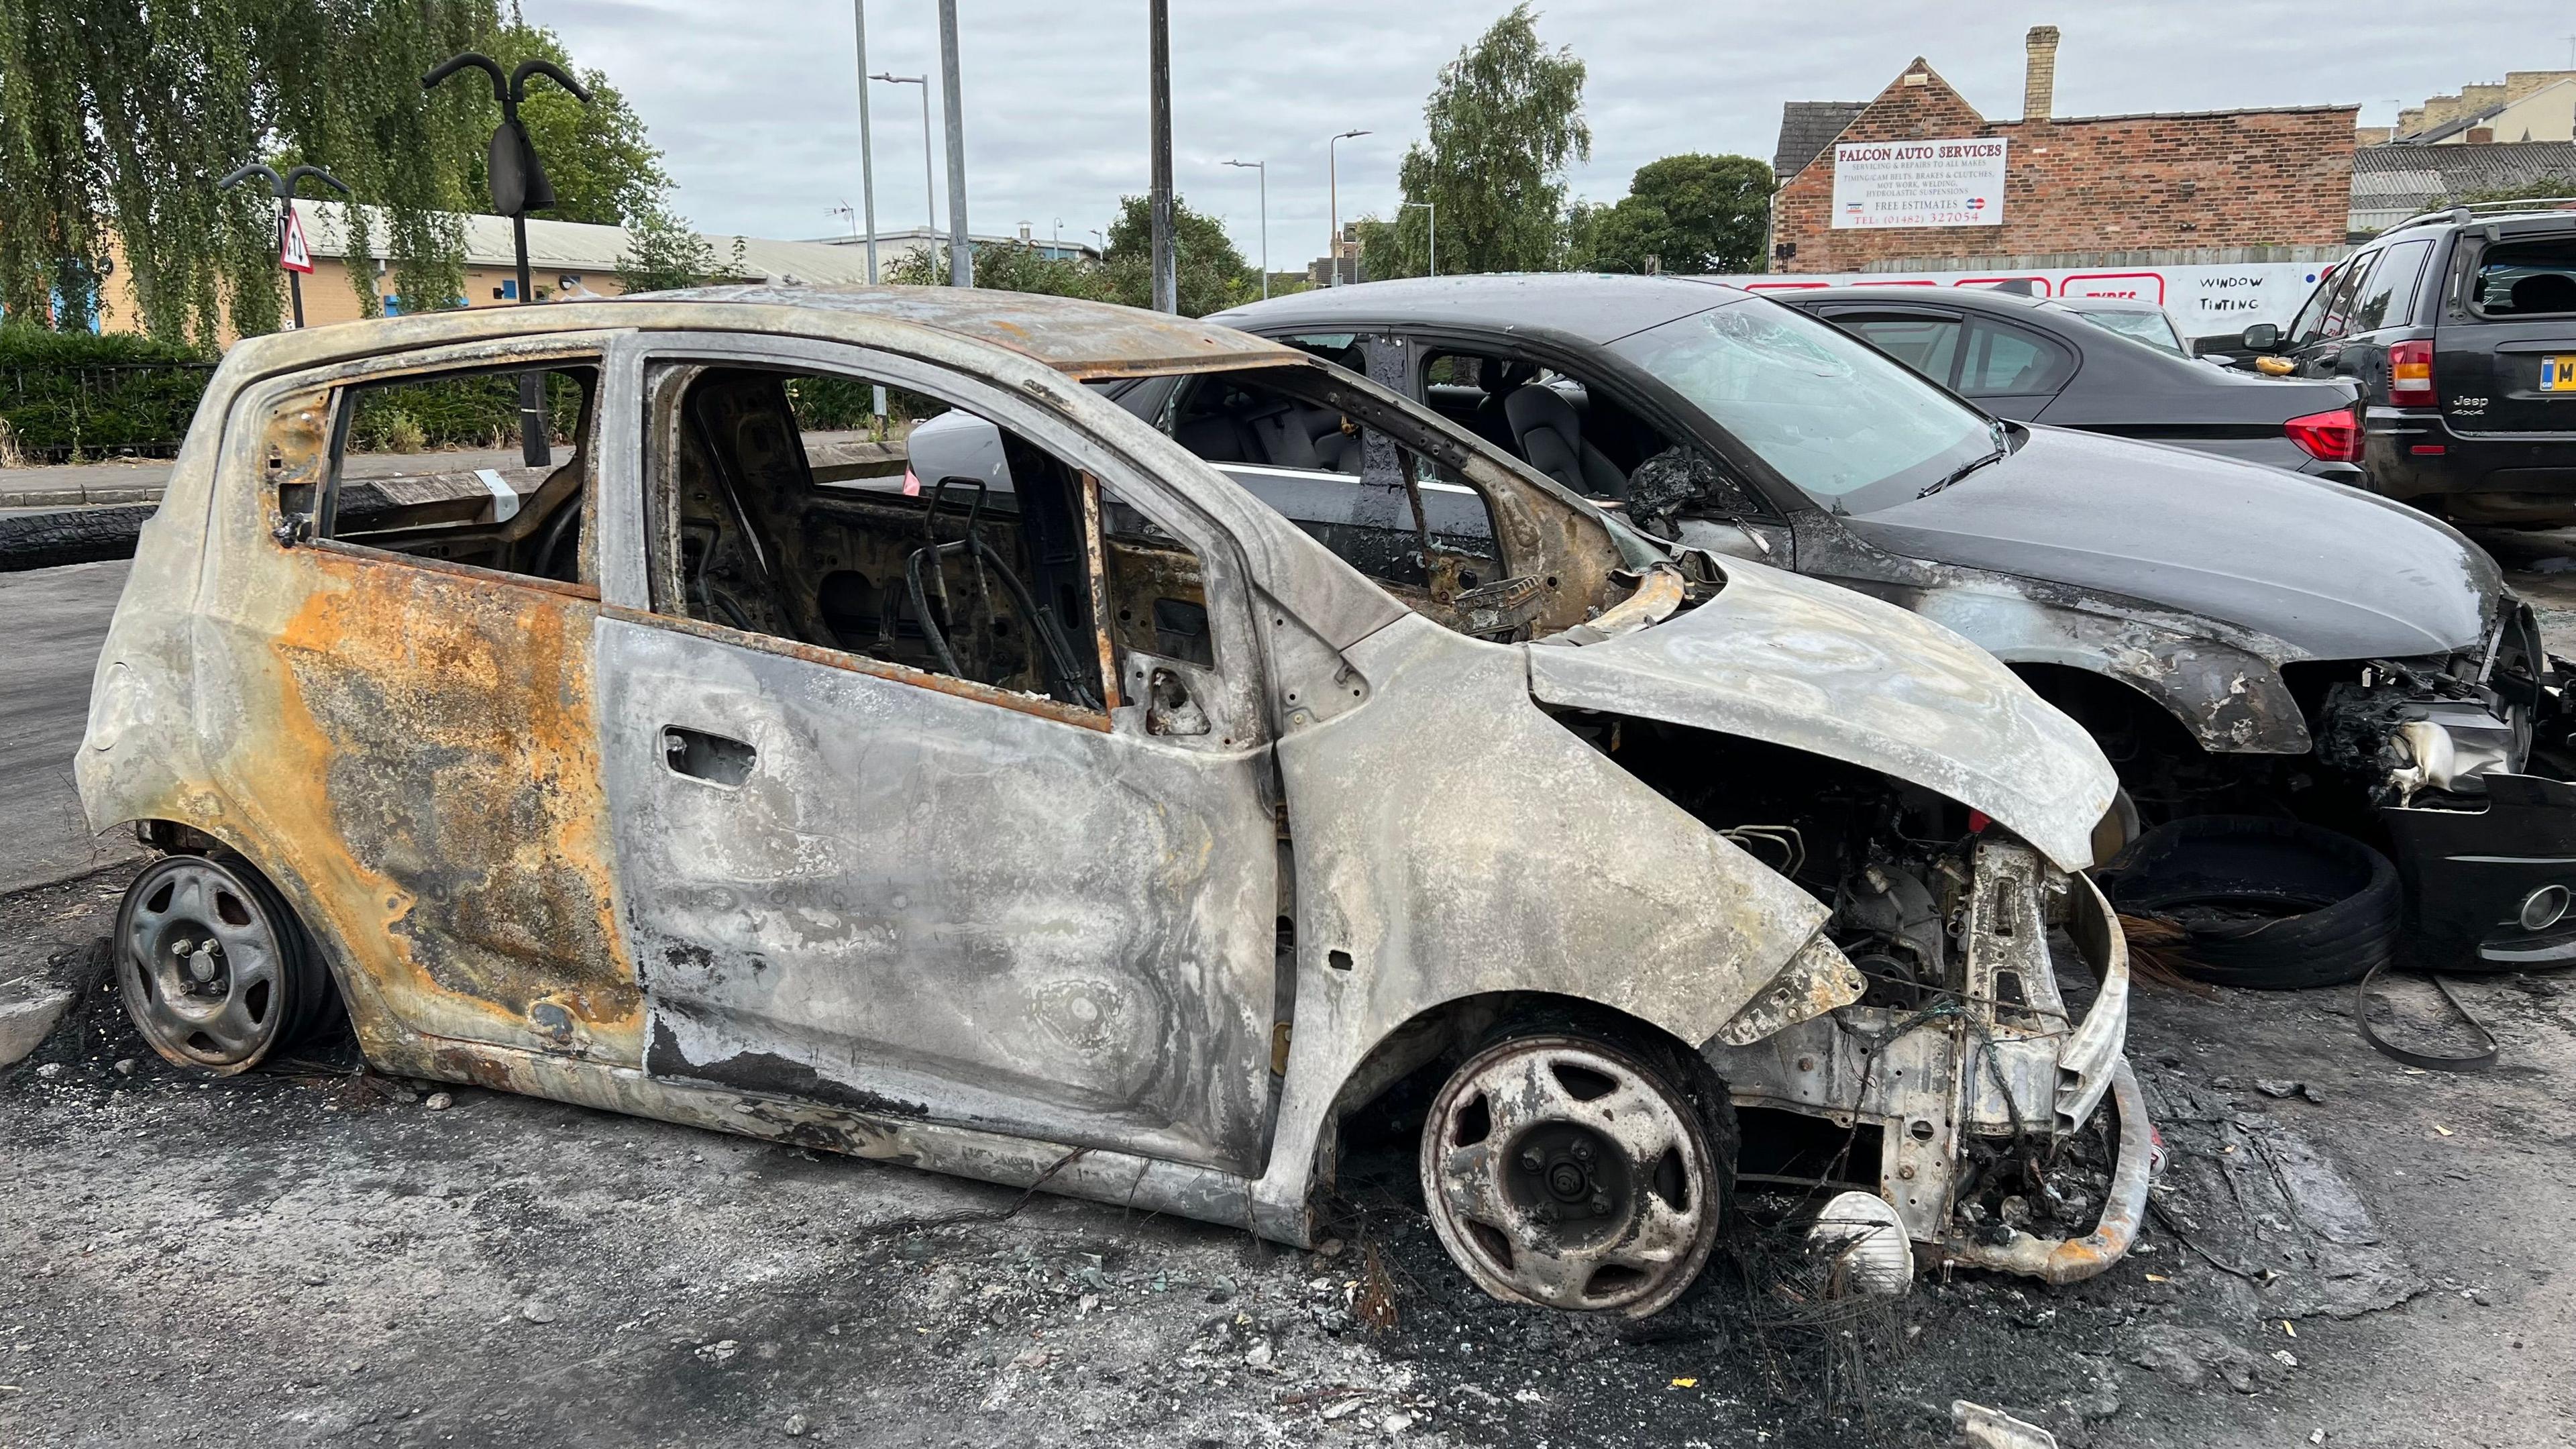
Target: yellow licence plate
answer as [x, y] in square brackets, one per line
[2558, 373]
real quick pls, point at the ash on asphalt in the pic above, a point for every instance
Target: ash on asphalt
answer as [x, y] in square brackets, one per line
[313, 1254]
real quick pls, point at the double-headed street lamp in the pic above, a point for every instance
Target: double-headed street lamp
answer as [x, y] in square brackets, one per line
[1333, 194]
[517, 180]
[1262, 167]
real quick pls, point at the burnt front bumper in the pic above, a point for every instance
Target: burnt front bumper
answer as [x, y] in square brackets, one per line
[2473, 869]
[1996, 1064]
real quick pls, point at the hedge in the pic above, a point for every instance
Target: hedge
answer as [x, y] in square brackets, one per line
[65, 395]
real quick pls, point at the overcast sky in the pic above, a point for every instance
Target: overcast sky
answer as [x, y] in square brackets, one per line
[755, 104]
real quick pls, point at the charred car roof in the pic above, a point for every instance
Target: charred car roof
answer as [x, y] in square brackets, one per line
[1075, 337]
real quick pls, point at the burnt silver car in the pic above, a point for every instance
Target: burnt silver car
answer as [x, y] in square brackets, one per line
[2239, 638]
[1094, 826]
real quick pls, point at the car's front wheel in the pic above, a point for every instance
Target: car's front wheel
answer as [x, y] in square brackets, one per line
[214, 968]
[1570, 1172]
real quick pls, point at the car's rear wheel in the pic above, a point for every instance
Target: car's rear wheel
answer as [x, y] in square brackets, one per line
[1570, 1172]
[215, 970]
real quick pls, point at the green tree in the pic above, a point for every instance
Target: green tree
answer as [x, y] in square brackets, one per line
[1210, 273]
[118, 116]
[603, 167]
[1006, 267]
[1500, 128]
[1690, 213]
[662, 254]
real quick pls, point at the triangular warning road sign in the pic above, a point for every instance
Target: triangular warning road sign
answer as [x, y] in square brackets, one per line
[292, 254]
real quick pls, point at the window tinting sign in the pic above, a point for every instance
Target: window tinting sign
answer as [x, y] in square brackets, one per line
[1919, 183]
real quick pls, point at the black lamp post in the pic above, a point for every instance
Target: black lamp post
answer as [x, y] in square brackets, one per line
[519, 186]
[284, 188]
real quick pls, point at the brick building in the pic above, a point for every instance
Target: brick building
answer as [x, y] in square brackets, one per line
[2270, 177]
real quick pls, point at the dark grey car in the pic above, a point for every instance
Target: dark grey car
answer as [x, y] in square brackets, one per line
[2042, 362]
[2238, 637]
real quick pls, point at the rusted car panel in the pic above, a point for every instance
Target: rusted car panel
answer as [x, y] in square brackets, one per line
[1031, 939]
[1781, 658]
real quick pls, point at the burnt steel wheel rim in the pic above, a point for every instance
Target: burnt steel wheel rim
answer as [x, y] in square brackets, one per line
[205, 966]
[1563, 1172]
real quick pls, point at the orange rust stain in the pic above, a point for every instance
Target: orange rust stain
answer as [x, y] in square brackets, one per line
[431, 769]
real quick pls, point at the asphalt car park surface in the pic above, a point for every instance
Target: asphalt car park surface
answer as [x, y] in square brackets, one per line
[310, 1254]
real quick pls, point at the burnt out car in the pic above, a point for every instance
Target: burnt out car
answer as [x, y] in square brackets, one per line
[1093, 826]
[2239, 638]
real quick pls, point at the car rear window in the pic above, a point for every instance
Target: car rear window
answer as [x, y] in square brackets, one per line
[2526, 279]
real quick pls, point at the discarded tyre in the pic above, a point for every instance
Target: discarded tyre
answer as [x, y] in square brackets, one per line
[2271, 904]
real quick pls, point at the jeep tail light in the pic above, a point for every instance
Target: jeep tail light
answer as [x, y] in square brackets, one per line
[2410, 374]
[2333, 437]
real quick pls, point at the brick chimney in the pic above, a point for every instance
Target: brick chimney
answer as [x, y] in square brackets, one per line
[2039, 79]
[2481, 136]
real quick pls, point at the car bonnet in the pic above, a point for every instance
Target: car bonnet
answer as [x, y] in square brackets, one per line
[1821, 669]
[2329, 570]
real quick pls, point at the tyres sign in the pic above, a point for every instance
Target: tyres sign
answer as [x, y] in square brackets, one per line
[1919, 183]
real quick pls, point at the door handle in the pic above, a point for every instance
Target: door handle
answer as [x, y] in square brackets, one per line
[702, 756]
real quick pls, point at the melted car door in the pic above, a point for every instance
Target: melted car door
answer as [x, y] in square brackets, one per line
[963, 884]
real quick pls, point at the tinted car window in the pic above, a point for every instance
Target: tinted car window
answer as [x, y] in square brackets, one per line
[2387, 297]
[2303, 328]
[2152, 328]
[1929, 345]
[2523, 279]
[1844, 424]
[2006, 361]
[2339, 302]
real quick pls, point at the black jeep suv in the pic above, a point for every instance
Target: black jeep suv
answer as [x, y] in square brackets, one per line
[2459, 327]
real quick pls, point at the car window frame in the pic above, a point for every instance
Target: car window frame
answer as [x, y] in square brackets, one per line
[2331, 322]
[1635, 389]
[1236, 683]
[333, 385]
[2069, 357]
[2401, 310]
[1839, 313]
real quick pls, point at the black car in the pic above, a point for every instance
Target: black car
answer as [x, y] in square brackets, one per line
[2459, 328]
[2040, 361]
[2239, 638]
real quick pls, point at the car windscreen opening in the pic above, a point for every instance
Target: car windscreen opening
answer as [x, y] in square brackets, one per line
[1847, 425]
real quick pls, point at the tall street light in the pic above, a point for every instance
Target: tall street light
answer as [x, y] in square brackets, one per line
[1262, 167]
[1333, 195]
[961, 252]
[1158, 107]
[518, 183]
[1432, 207]
[867, 143]
[284, 189]
[929, 190]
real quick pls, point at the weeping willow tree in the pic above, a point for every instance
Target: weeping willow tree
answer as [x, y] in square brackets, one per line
[117, 117]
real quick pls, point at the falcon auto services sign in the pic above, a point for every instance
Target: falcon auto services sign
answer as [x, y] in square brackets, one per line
[1919, 183]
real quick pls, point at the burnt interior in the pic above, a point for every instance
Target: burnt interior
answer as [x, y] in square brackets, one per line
[448, 512]
[979, 577]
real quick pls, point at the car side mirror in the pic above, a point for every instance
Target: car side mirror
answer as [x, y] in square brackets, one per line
[2262, 337]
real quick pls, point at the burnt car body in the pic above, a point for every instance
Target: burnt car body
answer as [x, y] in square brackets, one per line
[669, 785]
[2238, 637]
[2037, 361]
